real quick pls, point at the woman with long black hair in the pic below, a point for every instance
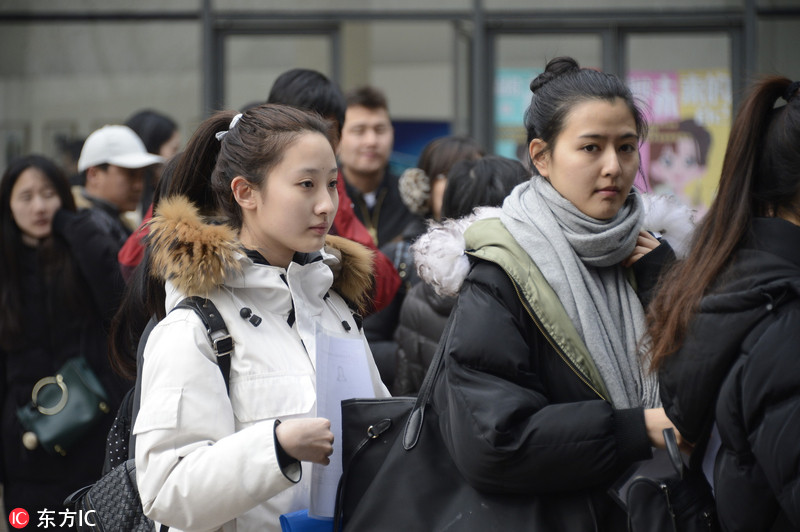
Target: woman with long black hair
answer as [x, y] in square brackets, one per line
[725, 325]
[59, 286]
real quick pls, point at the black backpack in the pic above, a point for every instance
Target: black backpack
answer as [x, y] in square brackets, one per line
[112, 503]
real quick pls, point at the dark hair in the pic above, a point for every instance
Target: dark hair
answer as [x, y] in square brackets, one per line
[250, 149]
[562, 86]
[760, 177]
[669, 134]
[203, 173]
[309, 89]
[153, 128]
[11, 240]
[144, 298]
[482, 182]
[366, 96]
[439, 155]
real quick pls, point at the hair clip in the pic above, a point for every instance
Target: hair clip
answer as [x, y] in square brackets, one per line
[221, 134]
[791, 90]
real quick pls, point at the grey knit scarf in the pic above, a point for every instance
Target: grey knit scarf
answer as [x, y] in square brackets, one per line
[579, 256]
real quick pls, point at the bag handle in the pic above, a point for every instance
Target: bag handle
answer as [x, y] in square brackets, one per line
[673, 451]
[417, 415]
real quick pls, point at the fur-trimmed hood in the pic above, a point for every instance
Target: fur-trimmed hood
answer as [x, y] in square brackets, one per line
[441, 262]
[197, 256]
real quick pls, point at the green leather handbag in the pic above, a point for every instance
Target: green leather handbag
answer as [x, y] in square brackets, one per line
[63, 408]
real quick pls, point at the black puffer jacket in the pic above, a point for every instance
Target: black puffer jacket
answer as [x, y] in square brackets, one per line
[422, 319]
[740, 367]
[519, 419]
[56, 329]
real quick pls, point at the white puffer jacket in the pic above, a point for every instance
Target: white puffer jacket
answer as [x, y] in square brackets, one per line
[206, 461]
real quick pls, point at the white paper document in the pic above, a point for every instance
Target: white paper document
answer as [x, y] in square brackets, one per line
[342, 373]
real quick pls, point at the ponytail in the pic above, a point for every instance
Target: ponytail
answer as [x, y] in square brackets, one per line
[192, 175]
[760, 177]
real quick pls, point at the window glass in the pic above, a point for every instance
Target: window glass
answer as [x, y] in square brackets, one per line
[611, 4]
[684, 81]
[252, 63]
[413, 63]
[520, 58]
[360, 6]
[95, 6]
[61, 81]
[778, 44]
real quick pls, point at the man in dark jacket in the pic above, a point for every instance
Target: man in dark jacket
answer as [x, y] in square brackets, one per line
[114, 159]
[364, 150]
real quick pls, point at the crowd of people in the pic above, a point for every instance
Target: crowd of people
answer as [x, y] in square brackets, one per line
[578, 333]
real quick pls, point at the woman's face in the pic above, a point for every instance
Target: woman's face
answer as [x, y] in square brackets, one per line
[595, 157]
[34, 201]
[295, 208]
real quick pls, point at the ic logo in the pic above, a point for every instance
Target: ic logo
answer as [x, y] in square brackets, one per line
[18, 518]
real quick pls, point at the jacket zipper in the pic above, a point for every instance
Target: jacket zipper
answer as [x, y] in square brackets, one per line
[552, 342]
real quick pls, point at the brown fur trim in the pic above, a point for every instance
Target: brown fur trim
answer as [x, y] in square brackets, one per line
[354, 279]
[194, 255]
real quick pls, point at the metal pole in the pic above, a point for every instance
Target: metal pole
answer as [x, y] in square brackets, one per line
[209, 74]
[750, 39]
[480, 77]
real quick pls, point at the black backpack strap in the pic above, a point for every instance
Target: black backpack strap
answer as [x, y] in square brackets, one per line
[137, 389]
[221, 340]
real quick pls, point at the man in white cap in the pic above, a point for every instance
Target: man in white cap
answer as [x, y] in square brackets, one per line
[113, 159]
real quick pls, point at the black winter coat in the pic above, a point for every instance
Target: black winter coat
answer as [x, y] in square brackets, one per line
[519, 420]
[740, 367]
[55, 330]
[422, 319]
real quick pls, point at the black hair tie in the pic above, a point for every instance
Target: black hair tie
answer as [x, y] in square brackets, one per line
[791, 90]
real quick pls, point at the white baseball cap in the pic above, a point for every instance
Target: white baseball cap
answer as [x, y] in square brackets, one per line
[117, 145]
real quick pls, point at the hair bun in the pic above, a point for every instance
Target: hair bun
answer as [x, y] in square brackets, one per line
[555, 68]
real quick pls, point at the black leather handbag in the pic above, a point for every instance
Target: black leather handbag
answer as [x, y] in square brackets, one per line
[669, 497]
[399, 475]
[63, 408]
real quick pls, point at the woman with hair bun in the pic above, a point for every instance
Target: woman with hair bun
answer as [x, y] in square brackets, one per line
[543, 395]
[725, 326]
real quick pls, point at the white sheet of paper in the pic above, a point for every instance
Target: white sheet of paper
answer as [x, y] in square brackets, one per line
[342, 373]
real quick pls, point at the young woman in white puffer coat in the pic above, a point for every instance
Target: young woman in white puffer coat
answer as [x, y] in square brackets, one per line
[249, 232]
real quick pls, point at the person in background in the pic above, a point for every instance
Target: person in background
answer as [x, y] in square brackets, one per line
[59, 286]
[312, 90]
[725, 324]
[161, 136]
[543, 394]
[114, 160]
[364, 150]
[245, 224]
[470, 184]
[421, 190]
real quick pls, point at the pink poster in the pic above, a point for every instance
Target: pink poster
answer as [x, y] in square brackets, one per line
[689, 115]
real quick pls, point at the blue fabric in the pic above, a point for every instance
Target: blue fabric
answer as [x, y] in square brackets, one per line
[300, 522]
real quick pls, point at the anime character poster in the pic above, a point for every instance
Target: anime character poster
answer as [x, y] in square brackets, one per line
[689, 112]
